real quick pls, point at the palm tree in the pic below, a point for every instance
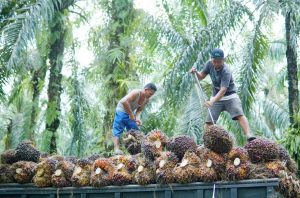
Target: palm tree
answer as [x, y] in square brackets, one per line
[17, 35]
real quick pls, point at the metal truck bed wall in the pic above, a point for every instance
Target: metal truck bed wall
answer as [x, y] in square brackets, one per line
[260, 188]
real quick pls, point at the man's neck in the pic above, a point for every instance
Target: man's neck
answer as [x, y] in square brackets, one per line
[217, 68]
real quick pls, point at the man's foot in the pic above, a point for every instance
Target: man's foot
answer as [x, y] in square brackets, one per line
[118, 152]
[249, 139]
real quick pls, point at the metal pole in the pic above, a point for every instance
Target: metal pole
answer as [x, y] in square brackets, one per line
[202, 96]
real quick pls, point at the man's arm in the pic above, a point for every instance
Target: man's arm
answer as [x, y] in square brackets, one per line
[201, 75]
[219, 95]
[125, 101]
[138, 113]
[140, 109]
[225, 80]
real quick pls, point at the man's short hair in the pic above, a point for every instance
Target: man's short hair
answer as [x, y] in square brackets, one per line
[150, 86]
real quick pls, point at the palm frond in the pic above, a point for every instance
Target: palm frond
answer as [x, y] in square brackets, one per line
[191, 121]
[200, 8]
[159, 34]
[252, 65]
[16, 35]
[277, 50]
[276, 114]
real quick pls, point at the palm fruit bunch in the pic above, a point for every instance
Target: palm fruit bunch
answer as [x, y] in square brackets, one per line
[9, 157]
[200, 150]
[132, 141]
[44, 172]
[275, 167]
[286, 158]
[188, 170]
[289, 185]
[63, 173]
[43, 156]
[93, 157]
[180, 144]
[262, 150]
[212, 166]
[153, 144]
[71, 159]
[24, 171]
[25, 151]
[82, 172]
[145, 173]
[123, 173]
[238, 164]
[217, 139]
[260, 171]
[165, 165]
[6, 174]
[102, 172]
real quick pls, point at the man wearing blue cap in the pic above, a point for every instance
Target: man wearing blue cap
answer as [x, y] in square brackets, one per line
[224, 96]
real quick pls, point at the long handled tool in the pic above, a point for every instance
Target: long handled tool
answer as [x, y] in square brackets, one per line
[202, 95]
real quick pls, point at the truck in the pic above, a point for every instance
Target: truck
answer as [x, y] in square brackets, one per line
[256, 188]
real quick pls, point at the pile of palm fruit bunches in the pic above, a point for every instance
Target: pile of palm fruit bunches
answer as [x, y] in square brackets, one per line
[155, 158]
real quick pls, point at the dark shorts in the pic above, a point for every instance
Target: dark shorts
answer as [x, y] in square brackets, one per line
[122, 121]
[232, 106]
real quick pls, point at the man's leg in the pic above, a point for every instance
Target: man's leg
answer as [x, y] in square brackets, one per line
[244, 124]
[234, 107]
[118, 128]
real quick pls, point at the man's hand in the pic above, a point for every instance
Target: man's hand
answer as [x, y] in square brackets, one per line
[193, 70]
[138, 122]
[132, 117]
[208, 103]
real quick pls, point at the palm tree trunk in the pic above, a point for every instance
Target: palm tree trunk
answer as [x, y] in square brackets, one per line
[37, 78]
[8, 142]
[291, 56]
[54, 87]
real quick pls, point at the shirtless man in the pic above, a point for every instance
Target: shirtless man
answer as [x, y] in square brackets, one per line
[128, 112]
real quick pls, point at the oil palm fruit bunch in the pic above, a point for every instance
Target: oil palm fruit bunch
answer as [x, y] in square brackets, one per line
[82, 172]
[212, 166]
[9, 157]
[286, 158]
[165, 165]
[63, 173]
[289, 185]
[180, 144]
[262, 150]
[260, 171]
[188, 170]
[25, 151]
[217, 139]
[93, 157]
[145, 172]
[43, 156]
[24, 171]
[200, 150]
[153, 144]
[6, 174]
[275, 167]
[102, 172]
[123, 173]
[71, 159]
[238, 164]
[44, 172]
[128, 161]
[133, 141]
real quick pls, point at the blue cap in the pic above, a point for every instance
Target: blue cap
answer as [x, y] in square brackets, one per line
[217, 53]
